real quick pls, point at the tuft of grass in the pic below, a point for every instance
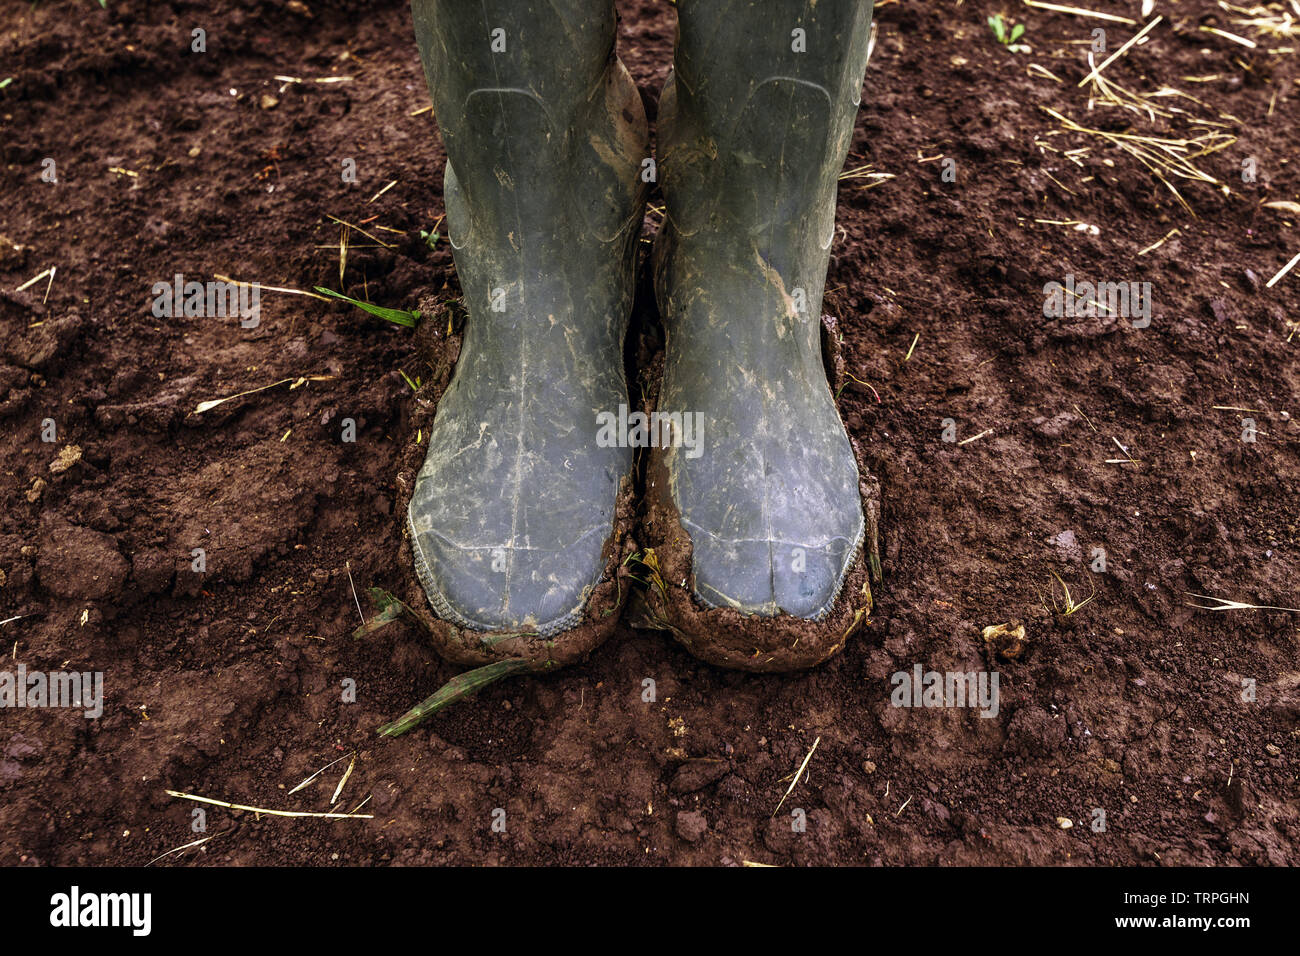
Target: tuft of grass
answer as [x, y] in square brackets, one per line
[647, 563]
[1067, 606]
[387, 610]
[403, 317]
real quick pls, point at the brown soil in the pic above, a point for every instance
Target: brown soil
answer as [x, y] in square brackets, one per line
[228, 683]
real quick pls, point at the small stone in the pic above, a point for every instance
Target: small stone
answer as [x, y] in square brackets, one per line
[80, 563]
[268, 102]
[1007, 641]
[1055, 426]
[36, 490]
[194, 151]
[868, 766]
[68, 456]
[697, 774]
[298, 7]
[691, 825]
[1065, 823]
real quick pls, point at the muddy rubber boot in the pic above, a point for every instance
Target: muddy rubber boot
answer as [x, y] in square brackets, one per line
[513, 515]
[764, 521]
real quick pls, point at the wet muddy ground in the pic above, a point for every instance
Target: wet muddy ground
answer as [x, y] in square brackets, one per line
[1013, 449]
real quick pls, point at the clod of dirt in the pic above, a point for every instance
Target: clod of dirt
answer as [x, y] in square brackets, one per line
[158, 412]
[68, 456]
[1007, 641]
[1238, 795]
[1033, 731]
[698, 774]
[37, 347]
[153, 570]
[1066, 545]
[80, 563]
[1282, 694]
[691, 825]
[1055, 426]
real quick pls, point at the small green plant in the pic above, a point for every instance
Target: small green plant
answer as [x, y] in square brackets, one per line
[1007, 34]
[403, 317]
[432, 235]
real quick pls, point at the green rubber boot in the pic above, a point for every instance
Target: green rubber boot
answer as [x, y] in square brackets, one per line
[764, 521]
[512, 516]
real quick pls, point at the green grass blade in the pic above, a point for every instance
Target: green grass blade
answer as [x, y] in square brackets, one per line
[458, 688]
[387, 610]
[401, 317]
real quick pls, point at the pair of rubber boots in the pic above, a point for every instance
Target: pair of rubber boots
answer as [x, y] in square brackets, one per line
[520, 520]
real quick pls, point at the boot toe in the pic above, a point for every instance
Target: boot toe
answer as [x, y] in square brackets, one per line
[766, 577]
[506, 587]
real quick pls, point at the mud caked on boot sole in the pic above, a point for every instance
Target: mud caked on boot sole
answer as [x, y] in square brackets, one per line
[518, 516]
[759, 531]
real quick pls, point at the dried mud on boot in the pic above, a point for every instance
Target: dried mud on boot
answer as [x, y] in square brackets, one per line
[726, 637]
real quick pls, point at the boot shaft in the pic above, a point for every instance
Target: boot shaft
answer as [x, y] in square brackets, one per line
[544, 134]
